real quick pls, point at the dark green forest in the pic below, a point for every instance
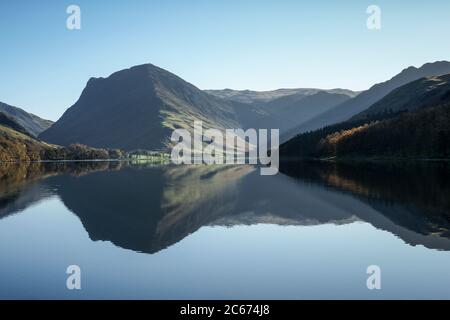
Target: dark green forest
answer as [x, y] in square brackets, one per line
[421, 134]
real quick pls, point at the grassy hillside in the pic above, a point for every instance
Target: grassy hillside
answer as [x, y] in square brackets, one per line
[15, 146]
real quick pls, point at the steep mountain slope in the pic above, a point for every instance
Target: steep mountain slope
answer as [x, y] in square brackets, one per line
[365, 99]
[30, 122]
[418, 94]
[137, 108]
[412, 121]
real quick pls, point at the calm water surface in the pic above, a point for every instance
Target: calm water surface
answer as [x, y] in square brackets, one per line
[222, 232]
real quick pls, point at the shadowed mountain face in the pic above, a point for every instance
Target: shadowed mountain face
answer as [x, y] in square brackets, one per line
[367, 98]
[30, 122]
[148, 208]
[419, 94]
[138, 108]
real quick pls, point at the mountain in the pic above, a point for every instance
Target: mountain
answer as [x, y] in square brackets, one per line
[416, 95]
[365, 99]
[30, 122]
[286, 112]
[284, 109]
[249, 96]
[138, 108]
[411, 121]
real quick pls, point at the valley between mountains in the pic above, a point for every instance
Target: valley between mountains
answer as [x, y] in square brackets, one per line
[137, 109]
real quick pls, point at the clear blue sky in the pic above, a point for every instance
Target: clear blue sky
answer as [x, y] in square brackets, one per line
[240, 44]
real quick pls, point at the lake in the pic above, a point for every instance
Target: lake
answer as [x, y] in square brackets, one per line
[146, 231]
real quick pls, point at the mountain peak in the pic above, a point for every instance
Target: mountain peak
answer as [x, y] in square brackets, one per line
[431, 68]
[136, 108]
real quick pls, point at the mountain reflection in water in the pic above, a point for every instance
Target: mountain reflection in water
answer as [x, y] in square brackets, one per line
[147, 208]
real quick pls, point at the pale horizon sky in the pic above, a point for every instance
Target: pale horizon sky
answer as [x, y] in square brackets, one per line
[238, 44]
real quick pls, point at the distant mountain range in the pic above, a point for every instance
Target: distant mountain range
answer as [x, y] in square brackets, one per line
[28, 121]
[249, 96]
[288, 112]
[365, 99]
[411, 121]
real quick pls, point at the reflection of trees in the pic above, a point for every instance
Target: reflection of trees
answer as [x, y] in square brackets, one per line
[15, 174]
[20, 181]
[422, 189]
